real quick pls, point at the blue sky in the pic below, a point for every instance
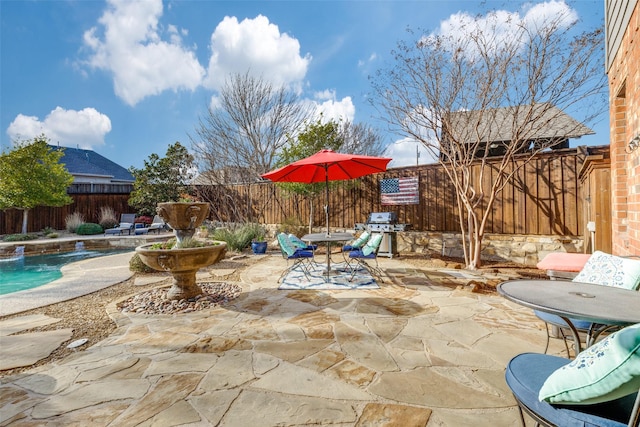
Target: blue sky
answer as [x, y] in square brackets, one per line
[129, 78]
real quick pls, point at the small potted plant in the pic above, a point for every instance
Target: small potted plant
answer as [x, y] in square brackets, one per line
[259, 242]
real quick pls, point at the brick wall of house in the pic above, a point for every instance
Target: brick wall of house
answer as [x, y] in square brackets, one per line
[624, 94]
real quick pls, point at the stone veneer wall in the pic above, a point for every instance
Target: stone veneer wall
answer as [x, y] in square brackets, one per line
[518, 248]
[522, 249]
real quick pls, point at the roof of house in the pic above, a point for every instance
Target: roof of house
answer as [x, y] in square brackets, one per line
[89, 163]
[540, 121]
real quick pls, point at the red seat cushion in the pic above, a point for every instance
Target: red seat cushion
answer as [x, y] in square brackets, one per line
[562, 261]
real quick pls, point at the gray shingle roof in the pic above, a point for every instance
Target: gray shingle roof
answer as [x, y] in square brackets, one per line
[542, 121]
[87, 162]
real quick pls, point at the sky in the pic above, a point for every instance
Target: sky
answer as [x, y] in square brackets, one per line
[129, 78]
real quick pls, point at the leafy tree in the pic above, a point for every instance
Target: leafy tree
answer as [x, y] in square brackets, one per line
[31, 175]
[486, 92]
[162, 179]
[337, 136]
[313, 138]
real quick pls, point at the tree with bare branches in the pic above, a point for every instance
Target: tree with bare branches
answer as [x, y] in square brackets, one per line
[246, 127]
[242, 133]
[486, 92]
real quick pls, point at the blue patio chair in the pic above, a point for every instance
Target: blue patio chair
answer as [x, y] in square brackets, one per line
[369, 252]
[358, 243]
[299, 243]
[290, 252]
[600, 269]
[525, 375]
[600, 388]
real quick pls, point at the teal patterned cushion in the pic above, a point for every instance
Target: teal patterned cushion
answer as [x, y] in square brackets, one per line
[605, 371]
[372, 244]
[361, 240]
[286, 244]
[610, 270]
[295, 241]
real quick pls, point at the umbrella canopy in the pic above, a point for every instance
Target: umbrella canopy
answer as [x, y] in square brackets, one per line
[327, 165]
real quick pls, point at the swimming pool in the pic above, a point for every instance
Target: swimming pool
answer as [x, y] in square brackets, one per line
[26, 272]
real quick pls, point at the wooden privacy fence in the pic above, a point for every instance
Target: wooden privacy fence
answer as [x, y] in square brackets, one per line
[544, 199]
[42, 216]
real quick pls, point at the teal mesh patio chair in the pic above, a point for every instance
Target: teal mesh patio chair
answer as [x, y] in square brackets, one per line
[361, 258]
[298, 256]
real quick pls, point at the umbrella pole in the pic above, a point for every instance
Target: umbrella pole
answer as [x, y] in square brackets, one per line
[326, 197]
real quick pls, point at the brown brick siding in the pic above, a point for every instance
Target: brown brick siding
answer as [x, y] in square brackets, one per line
[624, 90]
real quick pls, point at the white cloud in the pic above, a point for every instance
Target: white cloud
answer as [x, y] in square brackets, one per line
[330, 109]
[257, 46]
[128, 43]
[403, 153]
[85, 128]
[503, 28]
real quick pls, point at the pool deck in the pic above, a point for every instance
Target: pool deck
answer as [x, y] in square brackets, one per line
[416, 352]
[78, 278]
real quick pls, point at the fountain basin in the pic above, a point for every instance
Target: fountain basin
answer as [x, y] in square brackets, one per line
[183, 215]
[182, 264]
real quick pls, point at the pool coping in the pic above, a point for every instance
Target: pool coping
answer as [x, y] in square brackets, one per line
[78, 279]
[66, 244]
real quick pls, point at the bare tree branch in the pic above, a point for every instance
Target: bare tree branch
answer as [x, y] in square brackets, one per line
[481, 95]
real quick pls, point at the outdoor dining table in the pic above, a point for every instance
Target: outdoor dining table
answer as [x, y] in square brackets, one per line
[606, 305]
[328, 239]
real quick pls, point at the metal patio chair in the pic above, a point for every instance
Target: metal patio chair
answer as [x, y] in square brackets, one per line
[298, 256]
[369, 252]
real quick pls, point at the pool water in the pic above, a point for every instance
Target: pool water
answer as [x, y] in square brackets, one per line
[26, 272]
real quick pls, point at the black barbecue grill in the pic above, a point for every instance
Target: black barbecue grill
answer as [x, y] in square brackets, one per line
[387, 224]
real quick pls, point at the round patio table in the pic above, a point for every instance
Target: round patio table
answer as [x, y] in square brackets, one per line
[606, 305]
[328, 239]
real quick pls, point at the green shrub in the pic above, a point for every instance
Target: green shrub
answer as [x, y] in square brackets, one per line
[48, 230]
[107, 217]
[52, 235]
[239, 238]
[89, 228]
[136, 265]
[293, 226]
[19, 237]
[73, 221]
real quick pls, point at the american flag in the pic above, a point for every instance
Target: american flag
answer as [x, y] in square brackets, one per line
[399, 191]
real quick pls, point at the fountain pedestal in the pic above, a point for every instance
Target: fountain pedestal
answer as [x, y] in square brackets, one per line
[182, 263]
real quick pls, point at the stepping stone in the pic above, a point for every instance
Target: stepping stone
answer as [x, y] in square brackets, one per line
[22, 323]
[26, 349]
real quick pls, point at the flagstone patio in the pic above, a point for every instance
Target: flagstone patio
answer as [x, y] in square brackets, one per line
[422, 350]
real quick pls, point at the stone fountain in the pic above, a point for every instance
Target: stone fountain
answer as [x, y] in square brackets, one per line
[183, 262]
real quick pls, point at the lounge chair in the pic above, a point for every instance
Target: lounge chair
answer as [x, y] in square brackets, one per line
[126, 224]
[157, 224]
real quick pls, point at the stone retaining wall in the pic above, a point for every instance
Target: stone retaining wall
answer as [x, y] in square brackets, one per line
[68, 244]
[522, 249]
[518, 248]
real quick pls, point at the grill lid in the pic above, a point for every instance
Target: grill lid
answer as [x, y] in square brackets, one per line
[382, 218]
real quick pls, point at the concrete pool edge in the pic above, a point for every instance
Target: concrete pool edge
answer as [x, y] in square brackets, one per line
[78, 279]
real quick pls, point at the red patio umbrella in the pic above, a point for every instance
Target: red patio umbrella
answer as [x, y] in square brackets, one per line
[327, 165]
